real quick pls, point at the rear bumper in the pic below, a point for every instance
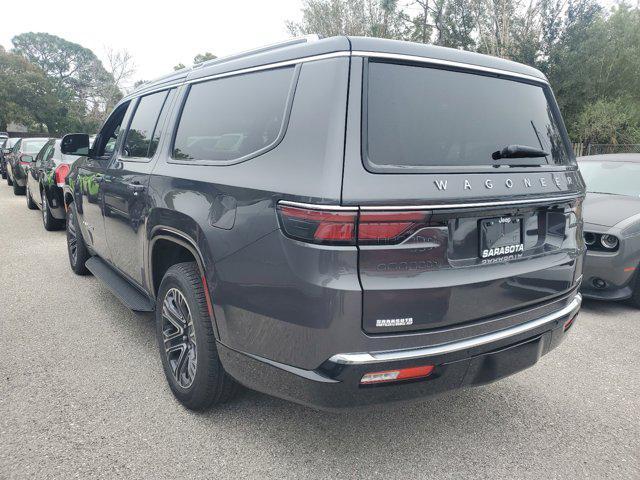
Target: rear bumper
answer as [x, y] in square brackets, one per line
[335, 385]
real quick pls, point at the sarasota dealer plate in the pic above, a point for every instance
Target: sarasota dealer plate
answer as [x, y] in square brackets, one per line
[500, 236]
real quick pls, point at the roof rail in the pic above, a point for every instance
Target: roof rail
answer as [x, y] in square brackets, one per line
[227, 58]
[266, 48]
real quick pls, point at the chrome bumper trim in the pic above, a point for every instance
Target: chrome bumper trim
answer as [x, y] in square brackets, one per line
[395, 355]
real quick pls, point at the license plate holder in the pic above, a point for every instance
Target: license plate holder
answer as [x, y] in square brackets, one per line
[500, 236]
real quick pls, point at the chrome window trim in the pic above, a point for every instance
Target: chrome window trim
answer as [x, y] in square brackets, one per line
[448, 63]
[343, 53]
[312, 206]
[442, 206]
[396, 355]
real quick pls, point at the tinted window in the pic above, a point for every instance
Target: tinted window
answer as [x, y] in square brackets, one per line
[420, 116]
[233, 117]
[31, 147]
[142, 125]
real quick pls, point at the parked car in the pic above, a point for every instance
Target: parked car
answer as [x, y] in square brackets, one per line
[4, 152]
[45, 181]
[21, 156]
[612, 226]
[337, 222]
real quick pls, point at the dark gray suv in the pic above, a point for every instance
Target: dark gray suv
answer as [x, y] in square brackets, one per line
[336, 222]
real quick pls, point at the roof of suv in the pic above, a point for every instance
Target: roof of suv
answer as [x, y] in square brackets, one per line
[298, 48]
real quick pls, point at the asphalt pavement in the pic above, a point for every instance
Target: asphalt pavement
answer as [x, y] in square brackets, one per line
[82, 395]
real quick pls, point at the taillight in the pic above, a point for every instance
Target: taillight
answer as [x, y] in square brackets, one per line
[389, 227]
[61, 173]
[348, 226]
[335, 227]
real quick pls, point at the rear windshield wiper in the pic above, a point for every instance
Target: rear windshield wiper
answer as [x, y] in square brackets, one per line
[518, 152]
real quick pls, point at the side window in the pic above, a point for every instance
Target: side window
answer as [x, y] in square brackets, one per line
[141, 130]
[230, 118]
[163, 115]
[44, 155]
[105, 143]
[16, 147]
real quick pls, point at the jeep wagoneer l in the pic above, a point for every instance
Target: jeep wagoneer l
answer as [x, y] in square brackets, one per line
[337, 222]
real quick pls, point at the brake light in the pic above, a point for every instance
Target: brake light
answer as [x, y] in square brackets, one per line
[389, 227]
[335, 227]
[348, 226]
[61, 173]
[386, 376]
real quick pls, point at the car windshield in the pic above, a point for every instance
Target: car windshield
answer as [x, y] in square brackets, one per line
[619, 178]
[421, 117]
[31, 147]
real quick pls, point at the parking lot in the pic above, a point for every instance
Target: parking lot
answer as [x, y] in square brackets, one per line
[82, 394]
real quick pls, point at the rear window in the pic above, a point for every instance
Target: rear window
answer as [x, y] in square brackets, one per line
[231, 118]
[418, 116]
[31, 147]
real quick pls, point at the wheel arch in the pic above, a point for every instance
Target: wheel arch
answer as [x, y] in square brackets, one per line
[177, 246]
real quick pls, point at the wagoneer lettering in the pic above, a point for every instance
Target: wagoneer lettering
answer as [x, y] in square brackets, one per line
[295, 214]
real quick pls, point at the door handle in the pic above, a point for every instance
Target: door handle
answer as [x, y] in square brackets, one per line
[135, 187]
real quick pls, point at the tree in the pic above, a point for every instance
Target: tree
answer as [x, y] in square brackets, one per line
[78, 78]
[203, 57]
[374, 18]
[199, 58]
[609, 121]
[121, 67]
[26, 96]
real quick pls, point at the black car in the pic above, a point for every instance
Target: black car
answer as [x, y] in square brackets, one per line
[45, 181]
[7, 147]
[336, 222]
[17, 161]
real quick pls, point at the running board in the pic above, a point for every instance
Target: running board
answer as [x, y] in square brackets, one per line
[129, 295]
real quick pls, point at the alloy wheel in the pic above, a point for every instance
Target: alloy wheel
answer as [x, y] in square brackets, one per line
[179, 337]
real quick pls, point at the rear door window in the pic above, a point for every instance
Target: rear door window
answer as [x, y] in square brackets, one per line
[233, 118]
[138, 142]
[421, 117]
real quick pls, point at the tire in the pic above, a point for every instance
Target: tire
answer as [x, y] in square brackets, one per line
[31, 205]
[190, 341]
[635, 296]
[18, 190]
[9, 182]
[48, 220]
[76, 248]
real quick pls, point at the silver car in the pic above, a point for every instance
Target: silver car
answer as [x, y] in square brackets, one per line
[611, 226]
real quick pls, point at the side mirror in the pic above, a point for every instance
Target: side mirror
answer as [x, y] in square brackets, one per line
[27, 158]
[75, 144]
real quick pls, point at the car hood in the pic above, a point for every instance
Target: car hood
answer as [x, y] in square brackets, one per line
[609, 210]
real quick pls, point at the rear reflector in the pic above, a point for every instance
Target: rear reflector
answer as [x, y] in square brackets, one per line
[569, 323]
[397, 375]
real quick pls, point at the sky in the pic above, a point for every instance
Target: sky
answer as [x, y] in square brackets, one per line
[158, 34]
